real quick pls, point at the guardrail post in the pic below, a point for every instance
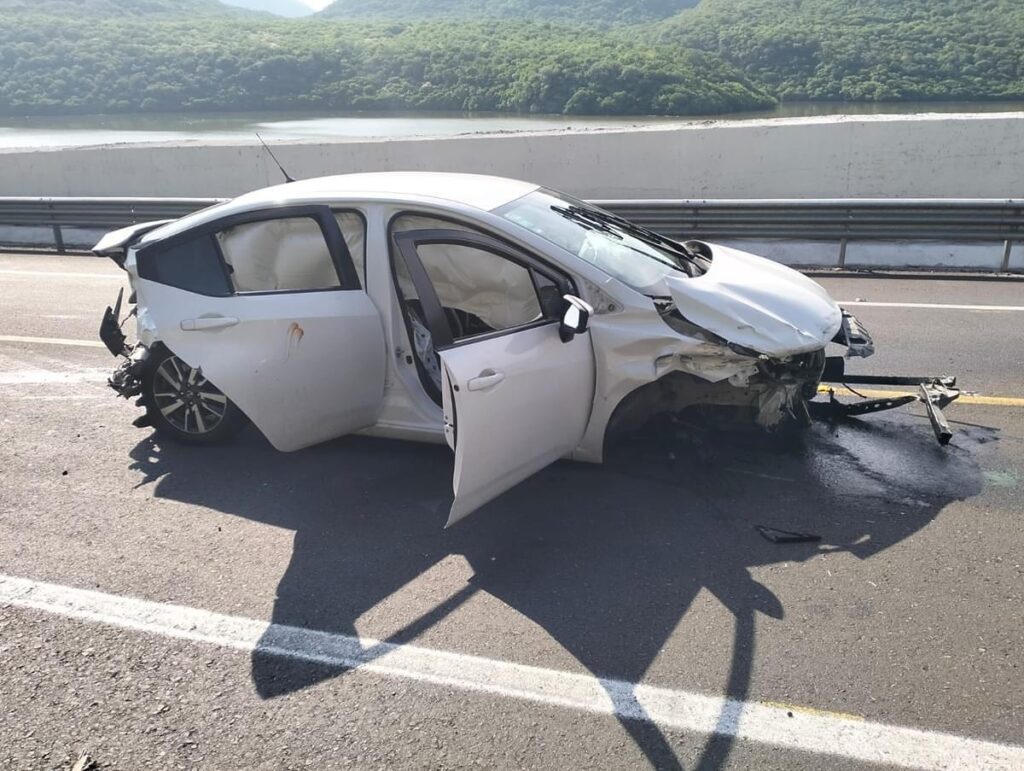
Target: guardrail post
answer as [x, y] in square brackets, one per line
[842, 254]
[58, 239]
[1006, 257]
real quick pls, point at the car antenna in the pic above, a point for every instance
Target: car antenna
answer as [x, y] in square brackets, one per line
[287, 177]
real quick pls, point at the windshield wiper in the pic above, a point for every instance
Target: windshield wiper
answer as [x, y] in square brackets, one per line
[610, 223]
[580, 217]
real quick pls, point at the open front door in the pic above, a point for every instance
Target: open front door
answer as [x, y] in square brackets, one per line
[515, 397]
[268, 305]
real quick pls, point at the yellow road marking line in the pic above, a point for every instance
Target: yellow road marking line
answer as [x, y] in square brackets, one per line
[990, 401]
[812, 710]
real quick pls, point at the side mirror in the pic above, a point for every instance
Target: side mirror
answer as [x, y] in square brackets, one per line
[575, 318]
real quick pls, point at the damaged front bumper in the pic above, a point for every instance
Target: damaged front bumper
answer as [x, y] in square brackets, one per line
[936, 393]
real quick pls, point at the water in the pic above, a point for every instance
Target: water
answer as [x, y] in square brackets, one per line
[82, 131]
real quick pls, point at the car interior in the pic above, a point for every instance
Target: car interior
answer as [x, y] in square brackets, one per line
[480, 291]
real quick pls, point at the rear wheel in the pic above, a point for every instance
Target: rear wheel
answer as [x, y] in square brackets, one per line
[183, 405]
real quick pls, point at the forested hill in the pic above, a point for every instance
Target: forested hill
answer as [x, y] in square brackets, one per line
[59, 66]
[75, 10]
[864, 50]
[572, 11]
[560, 56]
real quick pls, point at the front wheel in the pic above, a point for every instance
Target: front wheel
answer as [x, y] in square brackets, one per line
[184, 406]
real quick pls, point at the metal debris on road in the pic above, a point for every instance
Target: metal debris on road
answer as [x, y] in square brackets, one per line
[85, 763]
[785, 536]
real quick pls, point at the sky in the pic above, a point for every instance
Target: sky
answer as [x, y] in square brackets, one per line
[316, 5]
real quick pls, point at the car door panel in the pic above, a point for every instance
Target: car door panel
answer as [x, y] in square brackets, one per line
[517, 403]
[304, 365]
[514, 400]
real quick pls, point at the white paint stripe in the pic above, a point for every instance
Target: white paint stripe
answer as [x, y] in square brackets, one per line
[934, 306]
[50, 377]
[51, 341]
[808, 731]
[119, 276]
[68, 398]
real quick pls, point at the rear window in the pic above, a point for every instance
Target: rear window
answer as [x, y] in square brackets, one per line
[193, 265]
[278, 255]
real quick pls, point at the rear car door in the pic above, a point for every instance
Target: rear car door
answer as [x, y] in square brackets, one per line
[515, 397]
[269, 306]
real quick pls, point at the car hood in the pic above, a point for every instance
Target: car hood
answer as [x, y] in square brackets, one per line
[756, 303]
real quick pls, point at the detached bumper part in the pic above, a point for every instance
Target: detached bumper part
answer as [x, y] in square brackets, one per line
[127, 378]
[936, 393]
[936, 397]
[110, 329]
[855, 337]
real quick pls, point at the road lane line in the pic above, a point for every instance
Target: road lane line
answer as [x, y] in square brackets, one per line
[990, 401]
[805, 730]
[934, 306]
[51, 341]
[62, 274]
[49, 377]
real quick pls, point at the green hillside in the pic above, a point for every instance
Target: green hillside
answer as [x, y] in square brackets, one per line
[571, 11]
[124, 65]
[90, 56]
[863, 50]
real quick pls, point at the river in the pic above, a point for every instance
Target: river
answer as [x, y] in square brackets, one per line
[83, 131]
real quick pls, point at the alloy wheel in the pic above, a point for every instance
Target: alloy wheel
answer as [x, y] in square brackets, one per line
[186, 399]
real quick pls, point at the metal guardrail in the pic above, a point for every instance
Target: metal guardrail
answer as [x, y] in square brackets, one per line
[842, 220]
[110, 213]
[835, 220]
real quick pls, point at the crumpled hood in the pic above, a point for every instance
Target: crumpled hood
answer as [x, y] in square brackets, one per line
[758, 304]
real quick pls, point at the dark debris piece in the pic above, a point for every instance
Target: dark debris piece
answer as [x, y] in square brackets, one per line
[785, 536]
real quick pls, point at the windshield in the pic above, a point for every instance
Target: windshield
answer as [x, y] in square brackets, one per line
[636, 256]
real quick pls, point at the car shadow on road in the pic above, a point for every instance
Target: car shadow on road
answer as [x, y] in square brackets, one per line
[607, 560]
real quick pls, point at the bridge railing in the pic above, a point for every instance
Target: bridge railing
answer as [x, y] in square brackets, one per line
[842, 221]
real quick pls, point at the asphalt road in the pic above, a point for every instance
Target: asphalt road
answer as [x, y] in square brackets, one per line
[646, 572]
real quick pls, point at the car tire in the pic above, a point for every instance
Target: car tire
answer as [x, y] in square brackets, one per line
[182, 405]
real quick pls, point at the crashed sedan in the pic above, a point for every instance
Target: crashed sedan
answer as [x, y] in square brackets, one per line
[513, 322]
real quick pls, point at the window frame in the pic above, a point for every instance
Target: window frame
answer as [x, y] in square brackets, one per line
[323, 215]
[435, 317]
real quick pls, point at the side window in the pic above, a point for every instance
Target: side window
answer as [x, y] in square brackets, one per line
[278, 255]
[353, 228]
[481, 291]
[192, 264]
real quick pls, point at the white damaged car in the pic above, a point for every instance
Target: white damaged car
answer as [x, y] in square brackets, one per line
[513, 322]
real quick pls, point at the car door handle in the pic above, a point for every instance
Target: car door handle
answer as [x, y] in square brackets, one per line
[208, 322]
[485, 379]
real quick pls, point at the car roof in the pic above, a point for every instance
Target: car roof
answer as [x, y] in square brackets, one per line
[477, 191]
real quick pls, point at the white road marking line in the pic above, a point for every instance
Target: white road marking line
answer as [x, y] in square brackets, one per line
[804, 730]
[68, 398]
[934, 306]
[120, 276]
[51, 341]
[49, 377]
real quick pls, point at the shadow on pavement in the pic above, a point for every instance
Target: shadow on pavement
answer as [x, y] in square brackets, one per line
[606, 559]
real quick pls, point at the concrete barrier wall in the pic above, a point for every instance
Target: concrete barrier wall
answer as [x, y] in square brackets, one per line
[983, 257]
[955, 156]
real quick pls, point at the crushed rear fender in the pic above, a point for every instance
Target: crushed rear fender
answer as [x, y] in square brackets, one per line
[115, 243]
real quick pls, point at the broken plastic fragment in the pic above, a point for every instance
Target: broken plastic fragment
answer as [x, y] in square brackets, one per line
[785, 536]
